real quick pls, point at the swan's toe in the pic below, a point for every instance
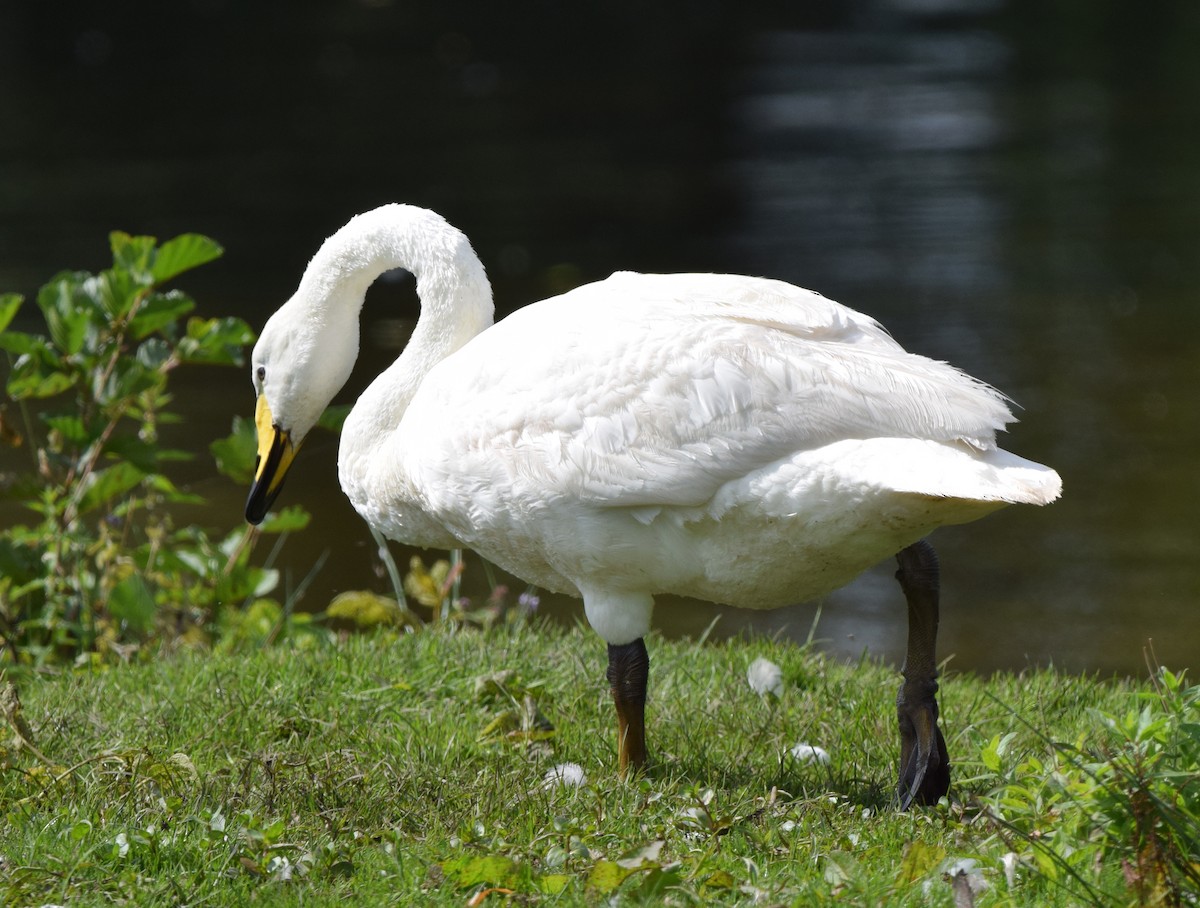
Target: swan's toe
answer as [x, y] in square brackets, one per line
[924, 762]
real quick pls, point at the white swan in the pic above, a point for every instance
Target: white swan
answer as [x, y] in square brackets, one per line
[729, 438]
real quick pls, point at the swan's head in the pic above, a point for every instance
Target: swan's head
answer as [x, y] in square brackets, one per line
[303, 357]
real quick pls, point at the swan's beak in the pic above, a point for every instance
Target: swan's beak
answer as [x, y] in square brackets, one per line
[275, 455]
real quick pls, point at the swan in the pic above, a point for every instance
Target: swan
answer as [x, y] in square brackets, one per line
[728, 438]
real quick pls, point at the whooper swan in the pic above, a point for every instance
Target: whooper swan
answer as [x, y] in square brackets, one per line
[727, 438]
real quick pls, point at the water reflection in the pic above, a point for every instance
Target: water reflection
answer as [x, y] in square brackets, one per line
[873, 151]
[1012, 190]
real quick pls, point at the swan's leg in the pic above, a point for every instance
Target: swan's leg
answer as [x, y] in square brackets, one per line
[924, 763]
[628, 670]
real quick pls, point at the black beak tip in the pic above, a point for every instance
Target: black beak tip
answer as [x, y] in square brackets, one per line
[259, 502]
[269, 476]
[255, 512]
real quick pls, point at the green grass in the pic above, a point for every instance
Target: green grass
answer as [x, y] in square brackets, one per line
[380, 770]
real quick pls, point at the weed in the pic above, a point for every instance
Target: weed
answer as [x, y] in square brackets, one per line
[1125, 794]
[102, 568]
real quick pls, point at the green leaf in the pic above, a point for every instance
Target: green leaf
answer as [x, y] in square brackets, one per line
[169, 490]
[841, 868]
[918, 860]
[128, 379]
[553, 883]
[272, 832]
[289, 520]
[116, 290]
[39, 373]
[132, 602]
[160, 310]
[990, 755]
[131, 253]
[70, 427]
[67, 310]
[9, 304]
[492, 869]
[719, 879]
[236, 453]
[25, 382]
[333, 417]
[18, 342]
[365, 608]
[18, 564]
[183, 253]
[183, 561]
[153, 352]
[260, 581]
[215, 340]
[605, 876]
[105, 485]
[131, 449]
[653, 888]
[644, 857]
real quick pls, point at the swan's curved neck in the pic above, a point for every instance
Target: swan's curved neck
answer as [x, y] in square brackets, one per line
[456, 304]
[456, 299]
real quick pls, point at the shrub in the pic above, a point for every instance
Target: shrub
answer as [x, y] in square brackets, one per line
[101, 567]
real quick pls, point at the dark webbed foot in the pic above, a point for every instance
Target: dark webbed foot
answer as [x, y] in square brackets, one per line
[924, 762]
[628, 671]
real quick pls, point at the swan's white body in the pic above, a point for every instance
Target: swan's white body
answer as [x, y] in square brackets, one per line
[729, 438]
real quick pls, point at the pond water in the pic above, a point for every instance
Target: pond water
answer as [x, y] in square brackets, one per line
[1016, 191]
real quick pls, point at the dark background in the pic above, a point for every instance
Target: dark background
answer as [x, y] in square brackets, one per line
[1009, 186]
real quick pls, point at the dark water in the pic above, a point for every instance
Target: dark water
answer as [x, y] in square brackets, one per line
[1010, 187]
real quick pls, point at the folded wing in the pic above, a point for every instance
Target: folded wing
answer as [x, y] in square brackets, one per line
[656, 390]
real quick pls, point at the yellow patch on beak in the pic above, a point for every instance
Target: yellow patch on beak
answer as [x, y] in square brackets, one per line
[275, 456]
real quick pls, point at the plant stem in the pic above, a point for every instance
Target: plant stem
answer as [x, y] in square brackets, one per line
[389, 564]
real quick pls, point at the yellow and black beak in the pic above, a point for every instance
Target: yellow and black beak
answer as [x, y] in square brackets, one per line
[275, 455]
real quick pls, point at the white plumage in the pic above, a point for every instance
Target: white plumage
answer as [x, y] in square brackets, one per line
[730, 438]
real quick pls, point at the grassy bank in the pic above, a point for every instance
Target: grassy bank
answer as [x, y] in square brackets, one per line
[412, 770]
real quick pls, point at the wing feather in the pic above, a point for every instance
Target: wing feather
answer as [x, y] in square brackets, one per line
[656, 390]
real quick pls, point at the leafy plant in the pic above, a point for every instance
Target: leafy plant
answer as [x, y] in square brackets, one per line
[1130, 799]
[438, 589]
[102, 566]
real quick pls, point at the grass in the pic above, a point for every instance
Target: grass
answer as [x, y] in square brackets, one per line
[409, 769]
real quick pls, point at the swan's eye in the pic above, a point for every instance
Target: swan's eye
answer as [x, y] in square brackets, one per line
[261, 374]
